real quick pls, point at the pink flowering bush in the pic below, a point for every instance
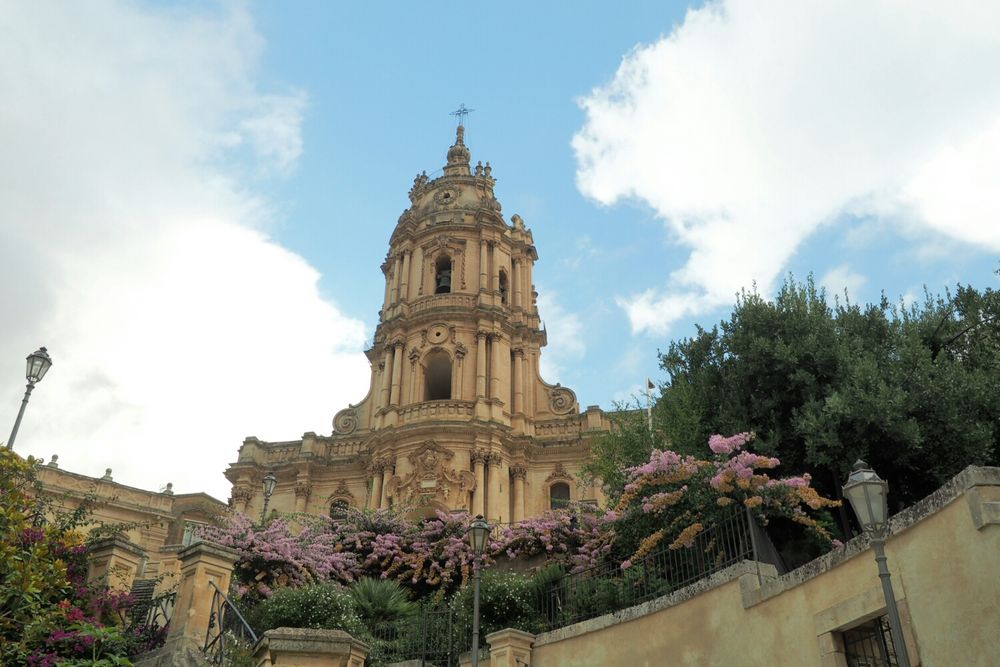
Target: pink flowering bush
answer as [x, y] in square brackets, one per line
[674, 497]
[431, 558]
[572, 537]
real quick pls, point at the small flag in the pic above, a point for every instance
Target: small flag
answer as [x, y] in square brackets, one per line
[649, 384]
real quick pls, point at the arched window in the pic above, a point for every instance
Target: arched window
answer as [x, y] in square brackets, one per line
[442, 275]
[503, 287]
[437, 377]
[559, 495]
[339, 509]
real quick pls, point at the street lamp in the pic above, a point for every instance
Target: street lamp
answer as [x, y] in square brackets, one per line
[867, 494]
[38, 365]
[269, 481]
[479, 533]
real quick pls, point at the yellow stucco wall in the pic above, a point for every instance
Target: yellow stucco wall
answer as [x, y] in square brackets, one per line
[945, 572]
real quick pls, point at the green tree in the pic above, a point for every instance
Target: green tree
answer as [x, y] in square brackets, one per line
[911, 390]
[628, 444]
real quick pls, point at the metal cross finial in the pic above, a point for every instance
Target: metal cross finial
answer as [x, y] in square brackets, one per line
[461, 112]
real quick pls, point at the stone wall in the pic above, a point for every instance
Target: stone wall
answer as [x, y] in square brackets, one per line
[944, 556]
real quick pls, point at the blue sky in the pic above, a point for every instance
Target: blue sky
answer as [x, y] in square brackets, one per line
[196, 198]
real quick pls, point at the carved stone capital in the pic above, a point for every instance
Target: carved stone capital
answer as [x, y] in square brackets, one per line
[478, 456]
[302, 489]
[414, 355]
[519, 472]
[242, 493]
[494, 459]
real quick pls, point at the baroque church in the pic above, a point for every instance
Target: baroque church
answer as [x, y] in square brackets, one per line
[457, 416]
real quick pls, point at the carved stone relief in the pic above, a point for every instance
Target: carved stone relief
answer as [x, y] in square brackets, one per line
[432, 479]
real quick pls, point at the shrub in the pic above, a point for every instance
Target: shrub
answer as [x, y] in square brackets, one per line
[506, 600]
[379, 601]
[326, 606]
[49, 613]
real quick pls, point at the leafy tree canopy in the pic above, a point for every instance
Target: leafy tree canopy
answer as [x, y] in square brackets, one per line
[911, 389]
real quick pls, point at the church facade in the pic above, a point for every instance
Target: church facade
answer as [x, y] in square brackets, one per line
[457, 415]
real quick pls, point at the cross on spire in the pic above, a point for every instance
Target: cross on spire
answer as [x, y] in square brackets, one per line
[461, 112]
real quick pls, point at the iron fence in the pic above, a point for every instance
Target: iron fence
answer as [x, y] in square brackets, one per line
[227, 631]
[436, 636]
[606, 588]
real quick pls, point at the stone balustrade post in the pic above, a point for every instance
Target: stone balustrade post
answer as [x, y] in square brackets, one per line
[510, 648]
[202, 564]
[116, 559]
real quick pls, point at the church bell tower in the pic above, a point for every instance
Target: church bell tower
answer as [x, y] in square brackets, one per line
[457, 415]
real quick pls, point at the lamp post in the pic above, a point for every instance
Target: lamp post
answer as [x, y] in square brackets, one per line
[867, 493]
[269, 482]
[479, 533]
[38, 364]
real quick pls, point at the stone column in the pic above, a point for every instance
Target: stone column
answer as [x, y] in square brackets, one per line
[518, 474]
[510, 648]
[309, 647]
[495, 365]
[397, 367]
[399, 278]
[202, 564]
[479, 493]
[481, 337]
[302, 490]
[377, 478]
[494, 269]
[495, 505]
[515, 277]
[404, 288]
[517, 375]
[242, 495]
[388, 288]
[386, 472]
[458, 375]
[483, 268]
[386, 376]
[420, 272]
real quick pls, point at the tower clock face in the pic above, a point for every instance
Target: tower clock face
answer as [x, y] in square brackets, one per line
[445, 196]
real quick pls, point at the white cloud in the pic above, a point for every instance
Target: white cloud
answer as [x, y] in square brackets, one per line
[130, 247]
[565, 335]
[841, 278]
[755, 123]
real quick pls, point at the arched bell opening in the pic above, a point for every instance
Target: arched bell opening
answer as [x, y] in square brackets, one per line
[442, 275]
[437, 376]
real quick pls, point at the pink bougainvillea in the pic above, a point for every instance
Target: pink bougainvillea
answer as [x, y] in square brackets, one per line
[675, 496]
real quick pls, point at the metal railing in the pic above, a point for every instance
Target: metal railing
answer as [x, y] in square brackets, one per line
[607, 588]
[227, 629]
[155, 612]
[435, 636]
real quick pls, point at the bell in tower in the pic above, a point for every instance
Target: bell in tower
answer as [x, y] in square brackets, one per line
[443, 278]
